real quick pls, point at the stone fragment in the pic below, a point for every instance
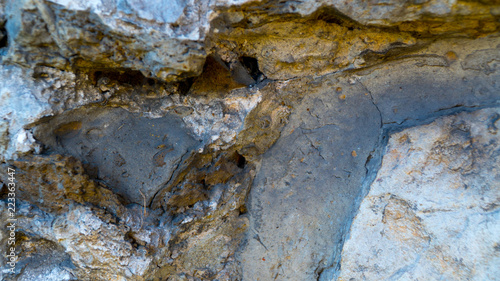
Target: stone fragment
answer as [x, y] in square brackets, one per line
[301, 199]
[162, 42]
[123, 149]
[432, 211]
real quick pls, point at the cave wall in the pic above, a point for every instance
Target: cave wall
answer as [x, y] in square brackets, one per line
[250, 140]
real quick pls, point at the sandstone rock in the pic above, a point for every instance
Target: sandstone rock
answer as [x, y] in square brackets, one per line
[61, 182]
[307, 46]
[431, 211]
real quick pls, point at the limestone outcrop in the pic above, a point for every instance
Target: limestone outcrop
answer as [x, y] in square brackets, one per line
[431, 211]
[249, 140]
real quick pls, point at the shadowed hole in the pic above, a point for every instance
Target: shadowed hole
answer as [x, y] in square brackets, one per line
[3, 36]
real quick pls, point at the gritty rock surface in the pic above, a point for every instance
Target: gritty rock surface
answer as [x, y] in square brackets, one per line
[235, 140]
[304, 196]
[164, 39]
[21, 103]
[109, 141]
[301, 198]
[108, 34]
[432, 211]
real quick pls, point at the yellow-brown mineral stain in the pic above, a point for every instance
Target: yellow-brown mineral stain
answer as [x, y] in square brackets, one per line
[68, 129]
[451, 56]
[353, 153]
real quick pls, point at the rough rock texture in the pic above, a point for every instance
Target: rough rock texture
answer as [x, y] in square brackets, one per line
[432, 211]
[236, 140]
[164, 39]
[303, 198]
[110, 142]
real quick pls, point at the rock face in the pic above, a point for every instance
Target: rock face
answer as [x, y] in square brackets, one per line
[250, 140]
[91, 134]
[432, 211]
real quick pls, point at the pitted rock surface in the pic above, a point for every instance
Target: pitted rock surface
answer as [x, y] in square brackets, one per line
[250, 140]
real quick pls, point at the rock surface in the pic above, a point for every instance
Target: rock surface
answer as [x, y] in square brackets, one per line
[304, 196]
[432, 211]
[236, 140]
[110, 141]
[164, 39]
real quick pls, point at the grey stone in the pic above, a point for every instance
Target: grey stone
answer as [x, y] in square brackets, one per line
[415, 87]
[432, 211]
[294, 103]
[311, 181]
[135, 156]
[301, 199]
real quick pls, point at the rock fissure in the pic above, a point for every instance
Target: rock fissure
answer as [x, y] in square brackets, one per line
[167, 141]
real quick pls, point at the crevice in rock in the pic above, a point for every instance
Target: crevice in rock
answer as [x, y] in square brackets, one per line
[124, 76]
[395, 51]
[409, 122]
[185, 85]
[240, 160]
[3, 37]
[333, 16]
[252, 68]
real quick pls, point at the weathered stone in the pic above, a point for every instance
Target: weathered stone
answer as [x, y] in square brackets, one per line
[432, 211]
[320, 164]
[61, 182]
[302, 196]
[108, 34]
[110, 140]
[79, 217]
[29, 95]
[167, 43]
[272, 129]
[439, 78]
[293, 46]
[21, 103]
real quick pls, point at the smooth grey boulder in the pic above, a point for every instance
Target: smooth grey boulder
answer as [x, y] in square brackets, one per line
[131, 154]
[302, 199]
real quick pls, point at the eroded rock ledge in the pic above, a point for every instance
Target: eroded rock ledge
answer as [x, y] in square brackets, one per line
[251, 140]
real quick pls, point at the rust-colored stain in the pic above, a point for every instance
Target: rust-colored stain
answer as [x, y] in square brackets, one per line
[68, 129]
[159, 157]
